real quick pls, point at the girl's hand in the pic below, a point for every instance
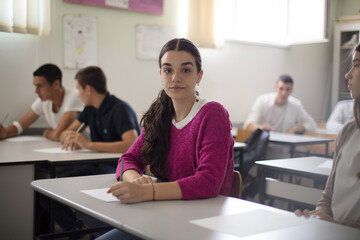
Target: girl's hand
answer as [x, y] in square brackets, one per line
[319, 214]
[129, 192]
[143, 180]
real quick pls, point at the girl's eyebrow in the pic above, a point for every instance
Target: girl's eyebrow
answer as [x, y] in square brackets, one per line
[183, 64]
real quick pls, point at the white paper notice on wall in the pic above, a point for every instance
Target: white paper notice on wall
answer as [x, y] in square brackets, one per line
[117, 3]
[151, 38]
[80, 43]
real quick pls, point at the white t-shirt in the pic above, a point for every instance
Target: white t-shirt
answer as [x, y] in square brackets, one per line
[345, 203]
[71, 102]
[282, 118]
[343, 112]
[198, 104]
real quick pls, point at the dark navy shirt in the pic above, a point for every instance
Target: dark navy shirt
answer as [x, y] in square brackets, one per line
[113, 118]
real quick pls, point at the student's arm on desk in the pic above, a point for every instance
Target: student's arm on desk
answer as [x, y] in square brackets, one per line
[11, 131]
[299, 129]
[253, 127]
[66, 120]
[128, 138]
[74, 140]
[137, 188]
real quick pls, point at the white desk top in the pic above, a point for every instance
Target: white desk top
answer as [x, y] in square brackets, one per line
[239, 145]
[287, 138]
[171, 219]
[23, 152]
[302, 164]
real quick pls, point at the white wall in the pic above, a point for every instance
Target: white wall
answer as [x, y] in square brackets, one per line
[234, 75]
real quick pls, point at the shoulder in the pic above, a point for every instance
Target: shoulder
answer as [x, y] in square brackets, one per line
[214, 110]
[346, 132]
[294, 101]
[344, 103]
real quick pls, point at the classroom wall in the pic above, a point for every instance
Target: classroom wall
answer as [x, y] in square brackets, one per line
[234, 75]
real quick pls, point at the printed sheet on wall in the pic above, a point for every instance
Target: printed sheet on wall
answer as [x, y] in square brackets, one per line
[151, 38]
[80, 47]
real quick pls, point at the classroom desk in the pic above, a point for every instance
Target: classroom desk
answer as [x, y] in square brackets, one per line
[308, 167]
[18, 167]
[171, 219]
[294, 140]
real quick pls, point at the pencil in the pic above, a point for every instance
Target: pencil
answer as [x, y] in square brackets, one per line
[81, 127]
[121, 169]
[4, 118]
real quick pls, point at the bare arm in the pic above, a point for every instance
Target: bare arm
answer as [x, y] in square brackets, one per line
[29, 118]
[66, 120]
[253, 127]
[128, 138]
[72, 128]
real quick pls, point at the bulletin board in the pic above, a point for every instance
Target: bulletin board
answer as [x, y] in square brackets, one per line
[80, 43]
[146, 6]
[151, 38]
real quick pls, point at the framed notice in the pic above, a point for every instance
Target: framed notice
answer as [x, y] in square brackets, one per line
[146, 6]
[80, 45]
[151, 38]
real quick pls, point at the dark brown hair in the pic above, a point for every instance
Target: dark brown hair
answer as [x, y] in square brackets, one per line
[357, 101]
[157, 120]
[50, 72]
[92, 76]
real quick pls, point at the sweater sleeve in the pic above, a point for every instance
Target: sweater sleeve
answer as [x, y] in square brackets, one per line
[214, 153]
[324, 203]
[132, 158]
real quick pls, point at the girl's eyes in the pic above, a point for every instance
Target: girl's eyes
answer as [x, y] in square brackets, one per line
[185, 70]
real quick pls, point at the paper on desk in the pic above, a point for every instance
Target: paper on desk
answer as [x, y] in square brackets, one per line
[249, 223]
[101, 194]
[326, 164]
[59, 150]
[24, 139]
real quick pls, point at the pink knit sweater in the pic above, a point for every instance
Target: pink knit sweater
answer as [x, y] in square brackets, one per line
[200, 157]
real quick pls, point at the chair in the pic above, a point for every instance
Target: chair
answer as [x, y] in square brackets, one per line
[242, 135]
[255, 150]
[236, 188]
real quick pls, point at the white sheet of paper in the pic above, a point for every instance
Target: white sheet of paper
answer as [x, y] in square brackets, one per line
[24, 139]
[249, 223]
[59, 150]
[326, 164]
[101, 194]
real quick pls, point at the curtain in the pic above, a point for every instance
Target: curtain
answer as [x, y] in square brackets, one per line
[201, 23]
[25, 16]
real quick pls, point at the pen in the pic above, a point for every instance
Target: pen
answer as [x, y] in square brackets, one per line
[4, 118]
[80, 127]
[121, 169]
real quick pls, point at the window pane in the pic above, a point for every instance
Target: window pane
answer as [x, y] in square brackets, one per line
[306, 20]
[259, 20]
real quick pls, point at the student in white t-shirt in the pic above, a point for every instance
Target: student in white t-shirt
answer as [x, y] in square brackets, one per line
[280, 112]
[59, 105]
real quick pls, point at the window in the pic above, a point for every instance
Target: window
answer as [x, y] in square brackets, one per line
[25, 16]
[278, 22]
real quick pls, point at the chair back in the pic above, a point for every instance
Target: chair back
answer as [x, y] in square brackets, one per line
[236, 188]
[256, 146]
[242, 135]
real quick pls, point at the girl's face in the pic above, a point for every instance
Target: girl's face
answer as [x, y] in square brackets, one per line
[353, 77]
[179, 75]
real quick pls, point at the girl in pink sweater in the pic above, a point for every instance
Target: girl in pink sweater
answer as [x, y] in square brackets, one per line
[186, 140]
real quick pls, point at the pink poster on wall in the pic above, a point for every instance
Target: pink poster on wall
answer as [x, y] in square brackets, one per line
[146, 6]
